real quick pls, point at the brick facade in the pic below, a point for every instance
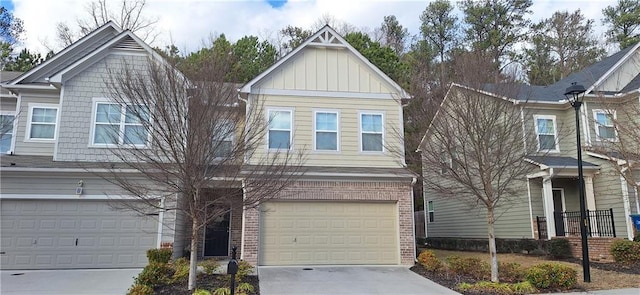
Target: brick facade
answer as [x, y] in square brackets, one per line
[398, 191]
[598, 248]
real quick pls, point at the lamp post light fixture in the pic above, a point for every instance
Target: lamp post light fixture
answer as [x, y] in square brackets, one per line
[575, 94]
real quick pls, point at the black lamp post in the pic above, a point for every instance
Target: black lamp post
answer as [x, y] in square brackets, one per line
[573, 94]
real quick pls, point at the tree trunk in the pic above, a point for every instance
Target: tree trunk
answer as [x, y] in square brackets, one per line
[492, 245]
[193, 258]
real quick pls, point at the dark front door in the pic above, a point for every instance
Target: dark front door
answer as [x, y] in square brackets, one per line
[216, 237]
[558, 209]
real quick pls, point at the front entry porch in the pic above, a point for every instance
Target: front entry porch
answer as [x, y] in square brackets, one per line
[567, 224]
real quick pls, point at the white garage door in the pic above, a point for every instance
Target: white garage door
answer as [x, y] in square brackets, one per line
[308, 233]
[58, 234]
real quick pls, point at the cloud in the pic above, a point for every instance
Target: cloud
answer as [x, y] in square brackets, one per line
[190, 23]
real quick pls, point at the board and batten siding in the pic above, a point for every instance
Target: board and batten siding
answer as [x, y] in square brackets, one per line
[621, 76]
[23, 145]
[349, 154]
[326, 69]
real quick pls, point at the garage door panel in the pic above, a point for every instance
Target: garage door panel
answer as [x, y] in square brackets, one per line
[328, 233]
[56, 234]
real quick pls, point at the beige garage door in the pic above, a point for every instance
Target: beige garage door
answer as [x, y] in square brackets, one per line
[59, 234]
[308, 233]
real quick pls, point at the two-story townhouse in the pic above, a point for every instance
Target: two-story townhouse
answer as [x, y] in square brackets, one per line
[548, 203]
[56, 211]
[352, 206]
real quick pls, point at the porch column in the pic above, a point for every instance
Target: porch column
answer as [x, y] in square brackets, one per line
[588, 193]
[591, 204]
[547, 197]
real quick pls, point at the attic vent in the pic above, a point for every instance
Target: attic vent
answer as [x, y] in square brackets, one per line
[128, 44]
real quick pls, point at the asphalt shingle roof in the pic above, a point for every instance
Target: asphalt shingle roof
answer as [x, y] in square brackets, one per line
[558, 162]
[587, 76]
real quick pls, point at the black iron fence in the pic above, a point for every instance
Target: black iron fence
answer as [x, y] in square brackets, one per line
[599, 224]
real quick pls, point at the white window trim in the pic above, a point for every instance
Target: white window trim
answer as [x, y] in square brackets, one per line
[292, 111]
[13, 128]
[432, 210]
[27, 133]
[596, 124]
[555, 132]
[95, 101]
[315, 131]
[360, 113]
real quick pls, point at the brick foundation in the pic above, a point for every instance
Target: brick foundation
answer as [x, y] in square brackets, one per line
[598, 248]
[399, 191]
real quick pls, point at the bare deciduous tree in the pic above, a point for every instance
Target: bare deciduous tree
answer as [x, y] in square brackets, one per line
[129, 15]
[189, 141]
[474, 150]
[618, 132]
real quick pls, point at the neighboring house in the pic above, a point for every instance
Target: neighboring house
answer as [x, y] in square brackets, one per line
[548, 203]
[352, 206]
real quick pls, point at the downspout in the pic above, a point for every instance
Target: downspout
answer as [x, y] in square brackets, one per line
[244, 193]
[160, 223]
[625, 203]
[414, 180]
[524, 130]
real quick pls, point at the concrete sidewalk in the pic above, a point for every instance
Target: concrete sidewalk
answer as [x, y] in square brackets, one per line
[68, 282]
[345, 280]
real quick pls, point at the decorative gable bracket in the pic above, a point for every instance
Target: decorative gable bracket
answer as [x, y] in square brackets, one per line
[327, 39]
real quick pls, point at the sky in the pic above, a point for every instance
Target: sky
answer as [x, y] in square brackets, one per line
[190, 23]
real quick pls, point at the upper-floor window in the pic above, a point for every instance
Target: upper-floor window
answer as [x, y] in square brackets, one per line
[6, 131]
[605, 129]
[547, 133]
[371, 132]
[223, 139]
[326, 131]
[280, 129]
[42, 122]
[120, 124]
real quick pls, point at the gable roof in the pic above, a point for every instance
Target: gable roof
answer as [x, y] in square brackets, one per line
[325, 37]
[590, 77]
[68, 55]
[81, 54]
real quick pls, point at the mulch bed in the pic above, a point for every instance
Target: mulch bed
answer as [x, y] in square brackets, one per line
[452, 280]
[208, 282]
[633, 269]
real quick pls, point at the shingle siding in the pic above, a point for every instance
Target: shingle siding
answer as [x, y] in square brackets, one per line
[77, 107]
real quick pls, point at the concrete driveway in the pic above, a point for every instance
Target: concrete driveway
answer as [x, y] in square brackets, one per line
[68, 282]
[342, 280]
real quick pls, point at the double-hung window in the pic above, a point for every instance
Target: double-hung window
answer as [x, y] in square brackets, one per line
[430, 211]
[223, 139]
[371, 132]
[546, 132]
[605, 128]
[42, 122]
[280, 123]
[120, 124]
[326, 131]
[6, 132]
